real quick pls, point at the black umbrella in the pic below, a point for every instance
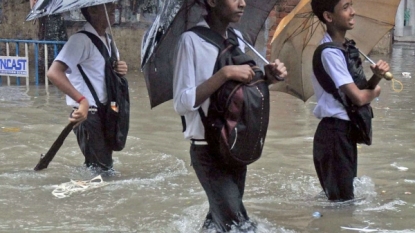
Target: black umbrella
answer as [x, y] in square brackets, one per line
[174, 18]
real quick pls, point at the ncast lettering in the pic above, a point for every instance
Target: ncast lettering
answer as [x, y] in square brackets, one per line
[12, 64]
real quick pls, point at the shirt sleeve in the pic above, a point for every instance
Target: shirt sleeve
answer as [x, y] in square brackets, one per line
[184, 77]
[335, 65]
[75, 51]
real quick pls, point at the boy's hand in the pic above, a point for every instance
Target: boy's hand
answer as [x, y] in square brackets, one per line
[81, 113]
[120, 67]
[277, 68]
[380, 68]
[240, 73]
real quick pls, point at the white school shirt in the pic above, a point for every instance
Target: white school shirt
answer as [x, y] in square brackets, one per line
[79, 49]
[194, 64]
[335, 65]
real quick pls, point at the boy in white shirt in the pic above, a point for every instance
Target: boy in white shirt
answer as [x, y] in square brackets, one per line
[80, 50]
[193, 85]
[335, 149]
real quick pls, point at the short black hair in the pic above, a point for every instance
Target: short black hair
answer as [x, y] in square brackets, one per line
[320, 6]
[85, 13]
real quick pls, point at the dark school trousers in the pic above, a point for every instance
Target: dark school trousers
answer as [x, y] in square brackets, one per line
[335, 158]
[224, 187]
[92, 143]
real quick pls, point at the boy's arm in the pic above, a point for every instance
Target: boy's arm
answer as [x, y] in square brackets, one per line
[365, 96]
[335, 65]
[56, 74]
[241, 73]
[360, 97]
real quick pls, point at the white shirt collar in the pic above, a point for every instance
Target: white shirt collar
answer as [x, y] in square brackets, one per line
[89, 28]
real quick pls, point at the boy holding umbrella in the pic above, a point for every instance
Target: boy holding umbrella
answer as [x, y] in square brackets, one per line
[193, 85]
[335, 148]
[80, 50]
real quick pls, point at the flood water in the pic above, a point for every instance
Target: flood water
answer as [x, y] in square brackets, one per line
[155, 189]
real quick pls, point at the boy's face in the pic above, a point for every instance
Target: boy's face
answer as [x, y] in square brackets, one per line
[343, 15]
[230, 11]
[98, 12]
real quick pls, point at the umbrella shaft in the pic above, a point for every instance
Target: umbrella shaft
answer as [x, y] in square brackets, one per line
[253, 50]
[277, 77]
[367, 58]
[257, 53]
[109, 25]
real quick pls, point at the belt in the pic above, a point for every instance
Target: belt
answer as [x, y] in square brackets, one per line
[338, 123]
[198, 142]
[91, 109]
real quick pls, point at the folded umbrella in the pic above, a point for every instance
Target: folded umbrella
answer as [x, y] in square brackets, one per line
[45, 159]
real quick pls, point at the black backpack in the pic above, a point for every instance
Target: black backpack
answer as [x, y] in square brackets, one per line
[115, 123]
[360, 116]
[238, 114]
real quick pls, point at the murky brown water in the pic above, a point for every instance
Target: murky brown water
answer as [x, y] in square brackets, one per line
[155, 189]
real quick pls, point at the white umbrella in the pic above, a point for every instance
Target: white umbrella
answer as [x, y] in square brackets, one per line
[50, 7]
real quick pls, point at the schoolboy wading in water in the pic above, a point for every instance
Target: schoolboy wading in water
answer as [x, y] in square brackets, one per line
[193, 85]
[335, 149]
[66, 76]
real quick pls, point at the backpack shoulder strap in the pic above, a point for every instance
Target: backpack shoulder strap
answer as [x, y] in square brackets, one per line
[210, 36]
[321, 75]
[101, 47]
[91, 88]
[232, 34]
[98, 43]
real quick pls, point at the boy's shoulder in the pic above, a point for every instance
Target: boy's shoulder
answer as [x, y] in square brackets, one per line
[332, 55]
[78, 37]
[190, 37]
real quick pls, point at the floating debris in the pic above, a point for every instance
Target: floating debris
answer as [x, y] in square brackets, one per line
[66, 189]
[317, 214]
[406, 74]
[399, 168]
[360, 229]
[10, 129]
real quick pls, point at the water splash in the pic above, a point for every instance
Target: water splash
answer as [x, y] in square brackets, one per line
[364, 188]
[388, 206]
